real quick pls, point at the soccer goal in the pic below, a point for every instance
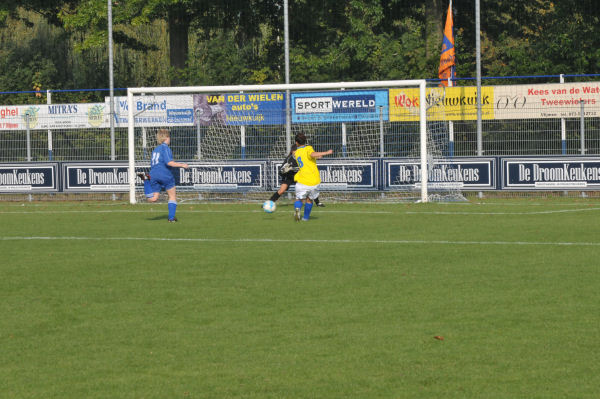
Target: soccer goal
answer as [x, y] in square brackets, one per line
[235, 138]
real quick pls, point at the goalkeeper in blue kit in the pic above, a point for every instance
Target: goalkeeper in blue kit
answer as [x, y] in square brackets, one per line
[308, 177]
[161, 176]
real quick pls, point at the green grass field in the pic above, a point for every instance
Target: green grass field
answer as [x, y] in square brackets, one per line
[104, 300]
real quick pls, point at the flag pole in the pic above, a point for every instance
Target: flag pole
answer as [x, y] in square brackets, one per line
[478, 60]
[451, 123]
[446, 72]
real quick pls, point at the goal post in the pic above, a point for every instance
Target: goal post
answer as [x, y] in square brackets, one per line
[367, 135]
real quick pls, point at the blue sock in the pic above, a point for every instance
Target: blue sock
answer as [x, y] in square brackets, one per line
[172, 209]
[307, 209]
[298, 204]
[147, 188]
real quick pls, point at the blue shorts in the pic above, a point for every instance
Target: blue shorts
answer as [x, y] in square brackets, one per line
[160, 182]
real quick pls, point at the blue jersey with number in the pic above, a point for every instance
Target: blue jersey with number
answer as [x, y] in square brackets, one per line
[161, 176]
[161, 156]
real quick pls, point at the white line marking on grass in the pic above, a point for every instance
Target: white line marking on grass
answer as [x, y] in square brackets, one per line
[179, 210]
[358, 212]
[133, 211]
[50, 212]
[502, 213]
[283, 240]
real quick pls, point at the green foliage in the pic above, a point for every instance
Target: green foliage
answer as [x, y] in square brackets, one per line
[32, 57]
[3, 17]
[62, 44]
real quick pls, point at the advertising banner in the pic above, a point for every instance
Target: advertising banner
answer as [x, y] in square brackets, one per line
[348, 175]
[10, 117]
[462, 173]
[29, 178]
[53, 116]
[223, 176]
[340, 106]
[450, 103]
[557, 100]
[240, 109]
[535, 101]
[275, 180]
[459, 173]
[339, 175]
[560, 173]
[531, 101]
[95, 177]
[153, 110]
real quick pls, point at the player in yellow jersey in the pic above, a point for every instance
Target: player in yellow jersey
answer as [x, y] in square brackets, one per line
[308, 178]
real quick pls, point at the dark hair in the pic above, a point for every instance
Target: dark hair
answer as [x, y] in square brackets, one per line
[294, 147]
[300, 138]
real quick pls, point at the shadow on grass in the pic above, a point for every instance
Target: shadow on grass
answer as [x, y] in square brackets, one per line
[158, 217]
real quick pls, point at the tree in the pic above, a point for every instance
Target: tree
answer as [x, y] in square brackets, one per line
[194, 42]
[49, 9]
[181, 17]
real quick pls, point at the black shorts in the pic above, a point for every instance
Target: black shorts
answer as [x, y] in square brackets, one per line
[287, 178]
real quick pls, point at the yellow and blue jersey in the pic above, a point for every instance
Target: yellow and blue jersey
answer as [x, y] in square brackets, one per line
[308, 173]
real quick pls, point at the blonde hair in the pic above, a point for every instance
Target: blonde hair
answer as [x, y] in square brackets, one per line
[162, 135]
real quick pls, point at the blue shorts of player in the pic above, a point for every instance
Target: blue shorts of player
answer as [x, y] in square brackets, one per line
[160, 181]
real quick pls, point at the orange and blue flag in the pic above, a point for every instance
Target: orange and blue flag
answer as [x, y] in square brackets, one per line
[447, 59]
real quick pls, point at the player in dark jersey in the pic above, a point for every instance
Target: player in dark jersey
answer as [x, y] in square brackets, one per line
[287, 172]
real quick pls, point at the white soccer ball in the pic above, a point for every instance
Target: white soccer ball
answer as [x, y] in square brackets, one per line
[269, 206]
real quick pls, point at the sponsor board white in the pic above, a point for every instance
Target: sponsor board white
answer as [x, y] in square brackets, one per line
[53, 116]
[310, 105]
[556, 100]
[107, 187]
[216, 186]
[546, 184]
[332, 186]
[154, 110]
[15, 188]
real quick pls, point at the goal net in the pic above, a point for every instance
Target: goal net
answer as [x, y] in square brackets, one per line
[235, 138]
[444, 180]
